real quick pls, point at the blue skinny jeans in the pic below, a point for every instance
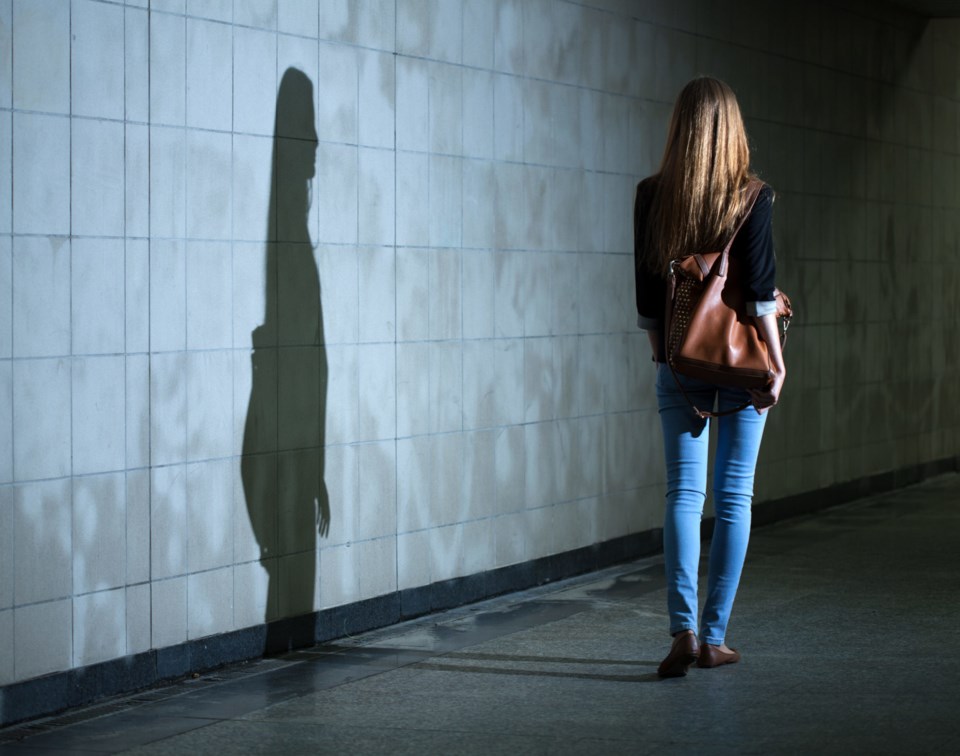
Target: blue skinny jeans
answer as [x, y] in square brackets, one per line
[686, 447]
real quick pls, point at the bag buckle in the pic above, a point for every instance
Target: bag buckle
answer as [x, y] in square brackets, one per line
[784, 325]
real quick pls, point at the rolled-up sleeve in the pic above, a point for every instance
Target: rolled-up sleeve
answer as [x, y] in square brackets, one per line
[649, 324]
[759, 309]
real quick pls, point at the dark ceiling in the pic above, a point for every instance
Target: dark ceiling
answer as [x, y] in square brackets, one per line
[931, 8]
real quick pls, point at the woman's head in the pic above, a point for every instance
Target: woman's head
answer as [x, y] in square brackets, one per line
[705, 167]
[706, 137]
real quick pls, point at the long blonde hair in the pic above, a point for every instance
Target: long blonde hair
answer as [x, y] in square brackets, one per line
[705, 168]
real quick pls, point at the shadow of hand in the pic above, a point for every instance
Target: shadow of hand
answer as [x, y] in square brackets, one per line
[322, 506]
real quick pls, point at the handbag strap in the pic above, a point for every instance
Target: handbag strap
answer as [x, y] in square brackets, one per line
[753, 191]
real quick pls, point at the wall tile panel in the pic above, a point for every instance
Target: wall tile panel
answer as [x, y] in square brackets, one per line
[97, 59]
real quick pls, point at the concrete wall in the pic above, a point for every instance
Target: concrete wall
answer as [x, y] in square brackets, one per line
[246, 375]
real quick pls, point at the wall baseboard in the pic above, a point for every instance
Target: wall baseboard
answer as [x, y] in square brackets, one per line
[50, 694]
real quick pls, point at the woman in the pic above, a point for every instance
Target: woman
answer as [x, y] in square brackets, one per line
[693, 205]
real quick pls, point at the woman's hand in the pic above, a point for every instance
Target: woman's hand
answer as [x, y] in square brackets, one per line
[654, 337]
[765, 398]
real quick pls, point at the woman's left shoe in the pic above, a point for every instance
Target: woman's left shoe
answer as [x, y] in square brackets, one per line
[683, 653]
[714, 656]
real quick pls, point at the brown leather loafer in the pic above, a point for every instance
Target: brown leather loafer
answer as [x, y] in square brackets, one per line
[714, 656]
[683, 653]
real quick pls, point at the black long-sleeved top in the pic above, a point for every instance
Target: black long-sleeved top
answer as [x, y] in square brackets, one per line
[753, 246]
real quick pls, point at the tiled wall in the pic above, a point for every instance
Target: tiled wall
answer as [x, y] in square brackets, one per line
[861, 135]
[469, 390]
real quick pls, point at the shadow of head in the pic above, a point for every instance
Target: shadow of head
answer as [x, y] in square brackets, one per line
[294, 127]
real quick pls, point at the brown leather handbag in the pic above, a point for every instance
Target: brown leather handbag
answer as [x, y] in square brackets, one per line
[709, 334]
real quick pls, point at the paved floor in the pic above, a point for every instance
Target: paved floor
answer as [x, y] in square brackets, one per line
[845, 620]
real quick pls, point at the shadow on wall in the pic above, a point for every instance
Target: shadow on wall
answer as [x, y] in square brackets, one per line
[282, 466]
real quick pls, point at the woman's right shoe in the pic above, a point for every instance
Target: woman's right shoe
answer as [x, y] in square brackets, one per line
[714, 656]
[683, 653]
